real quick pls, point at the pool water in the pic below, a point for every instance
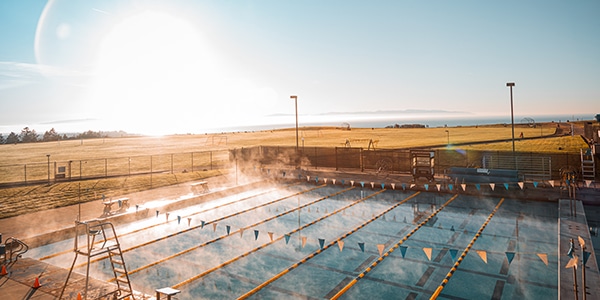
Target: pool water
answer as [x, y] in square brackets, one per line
[311, 241]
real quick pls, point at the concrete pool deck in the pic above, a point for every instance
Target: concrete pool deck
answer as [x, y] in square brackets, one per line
[570, 227]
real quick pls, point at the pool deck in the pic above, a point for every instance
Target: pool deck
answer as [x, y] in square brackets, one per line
[572, 225]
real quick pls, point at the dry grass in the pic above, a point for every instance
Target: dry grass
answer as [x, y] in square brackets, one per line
[14, 201]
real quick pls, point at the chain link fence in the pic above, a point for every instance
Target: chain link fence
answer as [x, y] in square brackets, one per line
[96, 168]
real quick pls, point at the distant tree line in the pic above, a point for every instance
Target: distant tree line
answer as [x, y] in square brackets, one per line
[28, 135]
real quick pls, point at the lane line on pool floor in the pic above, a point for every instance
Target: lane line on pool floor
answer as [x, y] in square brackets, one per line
[189, 280]
[199, 226]
[387, 253]
[464, 254]
[159, 224]
[334, 242]
[233, 233]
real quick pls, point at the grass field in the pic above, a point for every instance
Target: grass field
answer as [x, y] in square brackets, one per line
[177, 150]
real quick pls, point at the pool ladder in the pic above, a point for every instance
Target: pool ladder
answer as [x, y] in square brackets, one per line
[97, 237]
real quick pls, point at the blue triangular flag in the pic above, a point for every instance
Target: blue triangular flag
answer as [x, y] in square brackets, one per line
[178, 219]
[317, 179]
[450, 186]
[228, 229]
[343, 181]
[403, 250]
[453, 253]
[427, 187]
[452, 228]
[321, 243]
[362, 184]
[361, 246]
[510, 256]
[535, 183]
[287, 238]
[586, 255]
[382, 186]
[506, 186]
[255, 235]
[202, 224]
[404, 186]
[478, 186]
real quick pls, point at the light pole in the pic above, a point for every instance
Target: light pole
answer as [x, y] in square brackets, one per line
[296, 104]
[448, 134]
[512, 116]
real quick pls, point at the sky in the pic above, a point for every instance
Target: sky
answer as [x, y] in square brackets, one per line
[182, 66]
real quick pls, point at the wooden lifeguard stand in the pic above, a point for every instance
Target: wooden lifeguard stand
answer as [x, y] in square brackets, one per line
[94, 238]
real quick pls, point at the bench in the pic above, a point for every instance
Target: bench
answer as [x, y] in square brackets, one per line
[200, 187]
[123, 205]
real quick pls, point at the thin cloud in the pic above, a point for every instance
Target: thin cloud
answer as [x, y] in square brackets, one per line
[16, 74]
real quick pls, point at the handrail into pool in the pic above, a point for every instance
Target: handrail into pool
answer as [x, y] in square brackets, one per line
[462, 256]
[387, 253]
[262, 285]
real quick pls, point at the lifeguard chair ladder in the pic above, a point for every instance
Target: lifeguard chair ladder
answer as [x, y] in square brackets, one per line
[588, 165]
[98, 237]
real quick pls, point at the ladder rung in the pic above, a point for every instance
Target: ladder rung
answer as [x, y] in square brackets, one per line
[117, 261]
[119, 270]
[123, 280]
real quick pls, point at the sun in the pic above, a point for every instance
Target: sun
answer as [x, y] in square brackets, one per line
[155, 74]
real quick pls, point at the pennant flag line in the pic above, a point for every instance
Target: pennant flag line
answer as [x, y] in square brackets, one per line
[572, 262]
[214, 226]
[340, 245]
[543, 257]
[492, 186]
[361, 246]
[270, 235]
[521, 184]
[228, 229]
[321, 243]
[403, 250]
[303, 241]
[482, 254]
[510, 256]
[453, 253]
[255, 235]
[427, 252]
[287, 238]
[380, 248]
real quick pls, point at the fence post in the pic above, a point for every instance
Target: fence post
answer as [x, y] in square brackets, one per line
[25, 172]
[192, 161]
[360, 160]
[336, 158]
[211, 160]
[171, 163]
[105, 168]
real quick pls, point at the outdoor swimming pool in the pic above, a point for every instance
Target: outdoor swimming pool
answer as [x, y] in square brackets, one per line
[306, 240]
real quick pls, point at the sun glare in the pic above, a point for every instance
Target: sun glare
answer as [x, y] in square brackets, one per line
[154, 74]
